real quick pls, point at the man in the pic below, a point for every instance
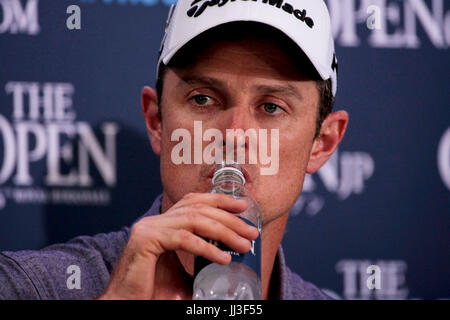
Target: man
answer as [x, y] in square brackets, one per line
[229, 65]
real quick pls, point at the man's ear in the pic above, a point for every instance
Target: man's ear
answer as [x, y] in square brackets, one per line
[151, 117]
[331, 133]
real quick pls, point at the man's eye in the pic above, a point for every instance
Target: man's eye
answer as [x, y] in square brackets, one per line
[272, 108]
[201, 99]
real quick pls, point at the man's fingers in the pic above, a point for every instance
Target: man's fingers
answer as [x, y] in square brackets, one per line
[218, 200]
[231, 221]
[188, 215]
[193, 222]
[189, 242]
[213, 230]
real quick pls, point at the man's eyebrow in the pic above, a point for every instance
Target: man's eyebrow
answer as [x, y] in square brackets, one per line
[200, 80]
[288, 90]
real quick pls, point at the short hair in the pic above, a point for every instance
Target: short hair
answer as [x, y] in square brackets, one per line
[243, 30]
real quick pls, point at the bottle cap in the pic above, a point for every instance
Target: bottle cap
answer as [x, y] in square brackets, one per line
[234, 168]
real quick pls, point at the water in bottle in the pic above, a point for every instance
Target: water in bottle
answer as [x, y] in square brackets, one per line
[241, 279]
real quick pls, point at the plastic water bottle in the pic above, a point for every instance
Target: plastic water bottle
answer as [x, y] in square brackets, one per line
[241, 279]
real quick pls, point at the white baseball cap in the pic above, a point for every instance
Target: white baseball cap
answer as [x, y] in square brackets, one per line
[305, 22]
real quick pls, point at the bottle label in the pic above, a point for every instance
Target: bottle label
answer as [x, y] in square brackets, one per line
[252, 259]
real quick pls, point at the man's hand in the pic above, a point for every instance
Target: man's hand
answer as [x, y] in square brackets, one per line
[149, 268]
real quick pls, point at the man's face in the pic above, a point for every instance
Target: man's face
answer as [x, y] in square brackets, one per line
[245, 85]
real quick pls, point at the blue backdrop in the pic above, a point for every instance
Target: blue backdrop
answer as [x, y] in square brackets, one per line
[75, 158]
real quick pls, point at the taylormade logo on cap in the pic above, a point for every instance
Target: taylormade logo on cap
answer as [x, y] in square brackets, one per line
[197, 9]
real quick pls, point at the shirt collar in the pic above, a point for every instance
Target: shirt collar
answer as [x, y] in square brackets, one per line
[284, 289]
[155, 209]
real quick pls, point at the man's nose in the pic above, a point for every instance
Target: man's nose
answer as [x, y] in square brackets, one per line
[237, 117]
[237, 127]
